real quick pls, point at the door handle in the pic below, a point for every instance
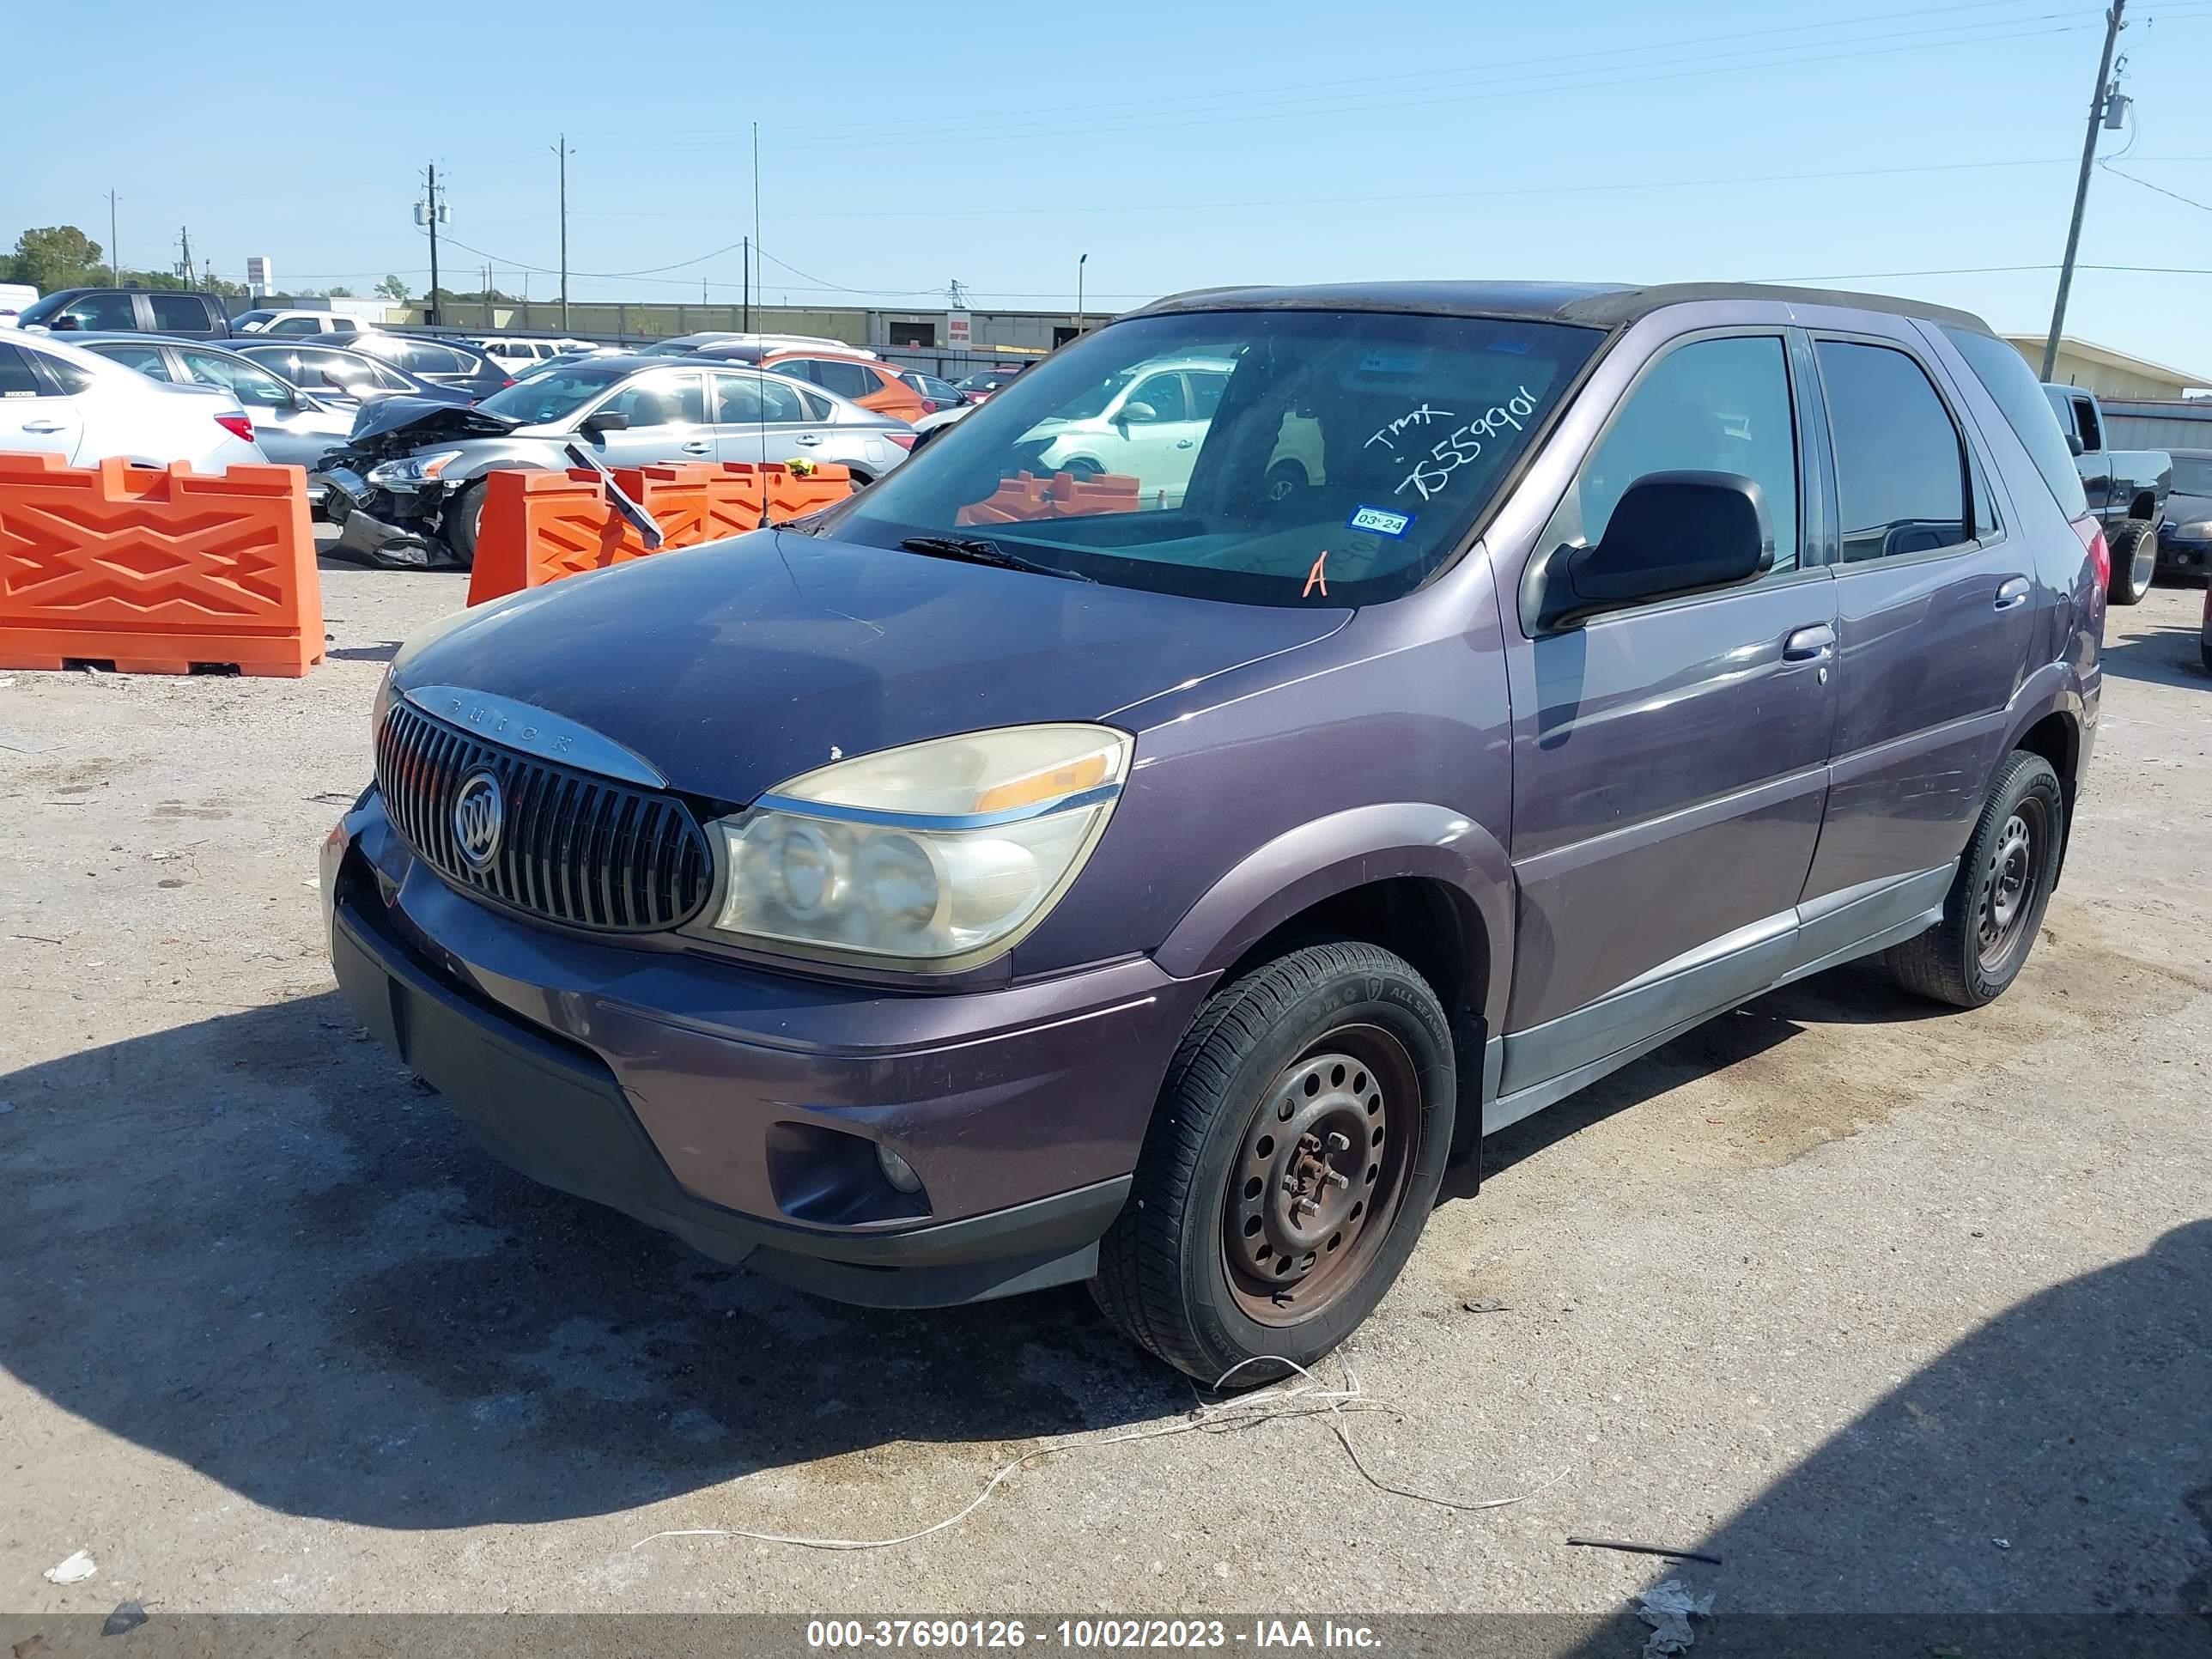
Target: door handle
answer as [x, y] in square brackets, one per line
[1183, 443]
[808, 438]
[2013, 591]
[1809, 644]
[698, 446]
[42, 426]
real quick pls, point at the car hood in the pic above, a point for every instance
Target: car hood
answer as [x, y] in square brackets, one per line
[400, 425]
[2182, 508]
[732, 668]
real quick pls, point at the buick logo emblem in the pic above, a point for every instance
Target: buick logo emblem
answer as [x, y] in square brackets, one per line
[479, 814]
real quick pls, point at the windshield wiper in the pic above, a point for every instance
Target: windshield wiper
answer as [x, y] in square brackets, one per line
[976, 550]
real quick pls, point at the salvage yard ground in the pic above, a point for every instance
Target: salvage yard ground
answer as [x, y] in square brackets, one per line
[1889, 1306]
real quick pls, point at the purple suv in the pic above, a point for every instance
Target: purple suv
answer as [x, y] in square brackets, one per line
[1281, 738]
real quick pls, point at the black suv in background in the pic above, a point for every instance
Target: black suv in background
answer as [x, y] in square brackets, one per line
[129, 311]
[454, 363]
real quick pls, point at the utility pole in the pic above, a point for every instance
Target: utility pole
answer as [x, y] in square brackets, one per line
[489, 321]
[749, 283]
[114, 246]
[430, 301]
[2099, 98]
[184, 239]
[562, 150]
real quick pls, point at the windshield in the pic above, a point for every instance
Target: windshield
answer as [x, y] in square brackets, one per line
[1275, 457]
[550, 394]
[2192, 478]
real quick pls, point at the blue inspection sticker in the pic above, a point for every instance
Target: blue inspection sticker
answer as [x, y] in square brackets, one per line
[1381, 520]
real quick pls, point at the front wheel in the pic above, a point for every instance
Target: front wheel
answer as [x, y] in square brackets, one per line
[1995, 908]
[463, 518]
[1293, 1156]
[2134, 562]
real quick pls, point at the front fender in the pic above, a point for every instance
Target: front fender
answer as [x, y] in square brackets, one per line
[1334, 855]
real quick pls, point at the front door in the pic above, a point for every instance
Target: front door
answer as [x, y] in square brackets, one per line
[1670, 762]
[1936, 608]
[666, 411]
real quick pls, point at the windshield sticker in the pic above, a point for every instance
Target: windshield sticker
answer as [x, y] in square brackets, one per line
[1381, 520]
[1434, 471]
[1387, 434]
[1391, 362]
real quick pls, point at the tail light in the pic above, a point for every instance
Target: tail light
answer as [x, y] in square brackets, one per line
[2092, 540]
[238, 425]
[904, 439]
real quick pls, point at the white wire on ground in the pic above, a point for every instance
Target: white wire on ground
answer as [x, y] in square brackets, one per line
[1210, 1417]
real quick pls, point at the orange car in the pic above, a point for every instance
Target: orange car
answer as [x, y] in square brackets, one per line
[867, 382]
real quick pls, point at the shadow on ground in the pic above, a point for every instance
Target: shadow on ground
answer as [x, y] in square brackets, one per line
[253, 1245]
[2049, 1470]
[2166, 656]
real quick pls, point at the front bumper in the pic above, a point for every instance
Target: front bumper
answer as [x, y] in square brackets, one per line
[380, 528]
[2185, 558]
[740, 1111]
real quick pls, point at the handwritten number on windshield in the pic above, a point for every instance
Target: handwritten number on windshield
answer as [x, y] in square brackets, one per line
[1434, 471]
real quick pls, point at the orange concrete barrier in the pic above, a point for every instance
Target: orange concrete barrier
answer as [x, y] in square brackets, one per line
[1061, 496]
[790, 492]
[540, 526]
[157, 571]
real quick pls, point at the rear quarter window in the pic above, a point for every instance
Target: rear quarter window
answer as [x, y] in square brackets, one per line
[2012, 386]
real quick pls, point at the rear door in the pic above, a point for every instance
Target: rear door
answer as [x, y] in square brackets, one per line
[34, 413]
[1935, 612]
[189, 314]
[758, 418]
[1669, 761]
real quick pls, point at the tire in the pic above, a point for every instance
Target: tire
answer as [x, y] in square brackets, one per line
[2134, 563]
[1331, 1038]
[462, 521]
[1978, 950]
[1081, 469]
[1283, 480]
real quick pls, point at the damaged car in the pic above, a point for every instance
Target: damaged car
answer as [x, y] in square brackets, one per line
[407, 490]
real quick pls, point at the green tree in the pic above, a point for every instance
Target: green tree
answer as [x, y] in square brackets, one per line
[58, 256]
[339, 292]
[391, 288]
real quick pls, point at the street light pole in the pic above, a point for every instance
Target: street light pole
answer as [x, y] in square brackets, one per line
[2097, 101]
[1079, 264]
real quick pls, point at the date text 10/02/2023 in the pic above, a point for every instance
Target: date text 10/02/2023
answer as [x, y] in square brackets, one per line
[1433, 470]
[1088, 1635]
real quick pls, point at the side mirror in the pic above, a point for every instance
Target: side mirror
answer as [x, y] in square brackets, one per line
[1672, 533]
[2074, 444]
[1139, 412]
[607, 420]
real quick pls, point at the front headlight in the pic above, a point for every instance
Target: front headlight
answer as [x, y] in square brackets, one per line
[2196, 530]
[412, 470]
[933, 857]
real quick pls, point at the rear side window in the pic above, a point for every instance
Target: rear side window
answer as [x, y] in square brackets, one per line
[175, 312]
[146, 359]
[296, 325]
[1901, 472]
[2012, 386]
[846, 379]
[16, 380]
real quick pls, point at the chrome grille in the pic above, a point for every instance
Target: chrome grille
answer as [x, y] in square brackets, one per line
[575, 847]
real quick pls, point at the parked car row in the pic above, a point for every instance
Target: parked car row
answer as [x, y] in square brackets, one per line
[58, 400]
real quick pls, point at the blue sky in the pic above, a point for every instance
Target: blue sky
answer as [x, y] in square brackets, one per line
[1179, 145]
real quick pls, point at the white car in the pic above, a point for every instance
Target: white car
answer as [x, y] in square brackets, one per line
[13, 298]
[293, 322]
[58, 400]
[1149, 421]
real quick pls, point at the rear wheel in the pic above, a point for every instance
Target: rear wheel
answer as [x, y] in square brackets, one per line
[2134, 562]
[1283, 480]
[1292, 1161]
[1996, 905]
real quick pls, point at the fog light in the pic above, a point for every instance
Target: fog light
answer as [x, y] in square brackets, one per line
[896, 1169]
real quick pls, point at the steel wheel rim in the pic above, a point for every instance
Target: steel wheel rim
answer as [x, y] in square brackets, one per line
[2010, 881]
[1321, 1173]
[2145, 566]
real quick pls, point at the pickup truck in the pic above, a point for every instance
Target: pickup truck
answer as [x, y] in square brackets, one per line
[2127, 490]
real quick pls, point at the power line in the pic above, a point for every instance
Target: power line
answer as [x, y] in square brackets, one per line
[2188, 200]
